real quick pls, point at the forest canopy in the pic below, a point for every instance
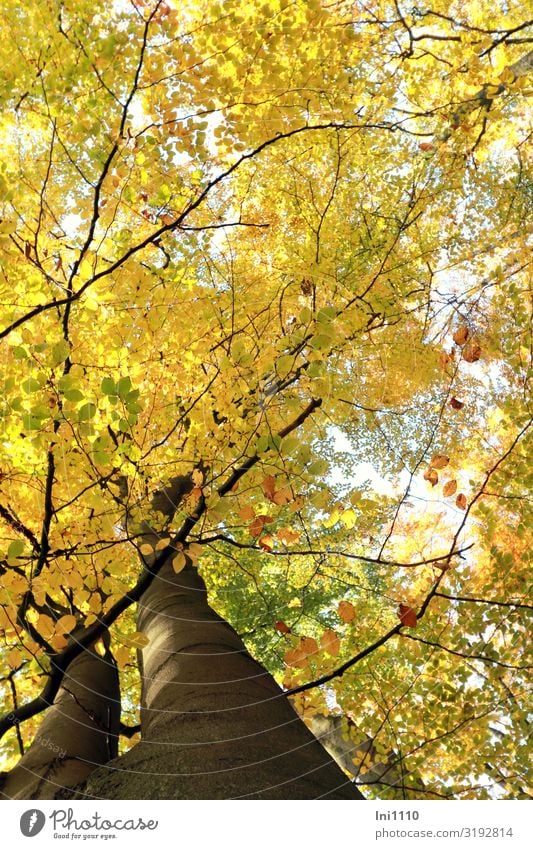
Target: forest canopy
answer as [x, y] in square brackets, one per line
[279, 251]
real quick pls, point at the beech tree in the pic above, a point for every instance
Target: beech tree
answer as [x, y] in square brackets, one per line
[266, 332]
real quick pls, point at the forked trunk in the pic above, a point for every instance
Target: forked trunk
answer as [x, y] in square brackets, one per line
[215, 725]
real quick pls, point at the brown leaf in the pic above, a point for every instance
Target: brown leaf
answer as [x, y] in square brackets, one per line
[471, 352]
[346, 611]
[461, 501]
[455, 404]
[256, 527]
[425, 146]
[407, 615]
[439, 461]
[461, 335]
[269, 487]
[444, 359]
[432, 476]
[247, 513]
[282, 627]
[449, 488]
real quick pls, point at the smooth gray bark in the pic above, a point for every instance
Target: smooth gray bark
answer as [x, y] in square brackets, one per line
[79, 732]
[215, 725]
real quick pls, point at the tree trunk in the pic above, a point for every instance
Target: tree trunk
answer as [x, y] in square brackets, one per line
[215, 725]
[79, 732]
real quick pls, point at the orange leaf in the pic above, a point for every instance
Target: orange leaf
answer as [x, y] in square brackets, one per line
[346, 611]
[425, 146]
[14, 658]
[471, 352]
[296, 657]
[461, 501]
[288, 536]
[282, 496]
[247, 513]
[444, 359]
[269, 487]
[308, 645]
[461, 335]
[449, 488]
[330, 642]
[66, 623]
[267, 542]
[439, 461]
[407, 615]
[431, 476]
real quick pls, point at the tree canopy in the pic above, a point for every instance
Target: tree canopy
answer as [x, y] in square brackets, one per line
[280, 250]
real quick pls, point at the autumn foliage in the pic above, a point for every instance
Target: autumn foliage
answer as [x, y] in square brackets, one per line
[280, 251]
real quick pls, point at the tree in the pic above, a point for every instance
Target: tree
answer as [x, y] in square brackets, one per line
[267, 342]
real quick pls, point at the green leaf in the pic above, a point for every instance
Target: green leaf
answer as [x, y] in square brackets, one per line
[19, 352]
[16, 548]
[31, 384]
[60, 352]
[123, 386]
[108, 386]
[86, 412]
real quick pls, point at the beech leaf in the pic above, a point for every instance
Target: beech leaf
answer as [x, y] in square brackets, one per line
[471, 352]
[449, 488]
[346, 611]
[461, 335]
[407, 615]
[439, 461]
[461, 501]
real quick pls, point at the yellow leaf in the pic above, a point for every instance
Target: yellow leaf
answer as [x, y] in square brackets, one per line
[197, 477]
[349, 518]
[146, 549]
[122, 655]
